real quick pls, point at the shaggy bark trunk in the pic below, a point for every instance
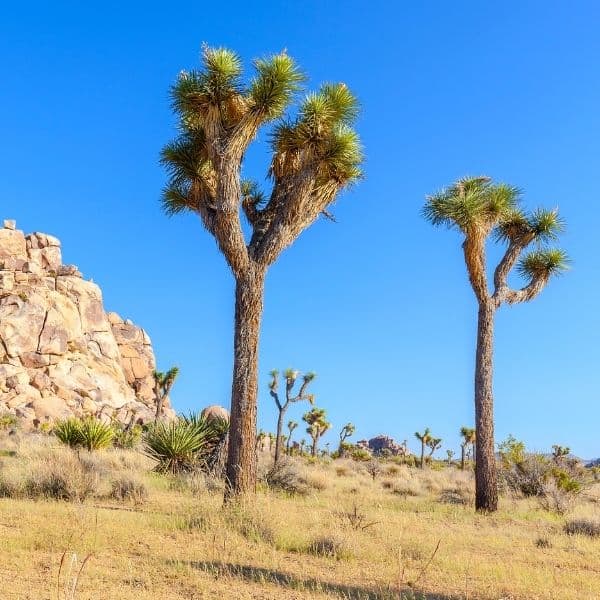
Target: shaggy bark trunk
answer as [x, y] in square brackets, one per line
[422, 455]
[241, 456]
[314, 447]
[486, 481]
[278, 444]
[462, 457]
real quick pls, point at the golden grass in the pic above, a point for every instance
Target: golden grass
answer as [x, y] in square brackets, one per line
[181, 543]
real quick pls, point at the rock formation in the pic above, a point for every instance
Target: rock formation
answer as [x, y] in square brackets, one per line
[383, 444]
[61, 354]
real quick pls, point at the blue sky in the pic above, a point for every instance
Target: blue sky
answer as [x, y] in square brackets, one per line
[377, 304]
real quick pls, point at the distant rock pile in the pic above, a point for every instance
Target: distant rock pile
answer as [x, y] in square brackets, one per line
[61, 354]
[383, 445]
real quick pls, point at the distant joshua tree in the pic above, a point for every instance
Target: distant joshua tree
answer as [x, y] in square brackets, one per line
[480, 209]
[424, 438]
[291, 426]
[468, 439]
[314, 155]
[449, 456]
[347, 431]
[560, 452]
[433, 444]
[163, 382]
[317, 426]
[290, 377]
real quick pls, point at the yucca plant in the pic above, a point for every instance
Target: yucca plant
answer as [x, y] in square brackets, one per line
[68, 431]
[95, 435]
[314, 156]
[183, 444]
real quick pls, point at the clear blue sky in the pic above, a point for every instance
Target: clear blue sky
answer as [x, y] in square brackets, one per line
[377, 304]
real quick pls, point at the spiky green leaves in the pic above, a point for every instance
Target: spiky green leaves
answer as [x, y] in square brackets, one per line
[322, 135]
[277, 80]
[543, 263]
[541, 225]
[472, 202]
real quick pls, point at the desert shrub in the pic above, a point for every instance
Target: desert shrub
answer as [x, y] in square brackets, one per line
[126, 438]
[373, 468]
[8, 487]
[316, 481]
[287, 477]
[543, 543]
[387, 484]
[193, 483]
[528, 476]
[183, 444]
[328, 546]
[63, 479]
[393, 469]
[558, 498]
[585, 527]
[7, 421]
[455, 496]
[360, 455]
[407, 488]
[89, 433]
[125, 488]
[342, 470]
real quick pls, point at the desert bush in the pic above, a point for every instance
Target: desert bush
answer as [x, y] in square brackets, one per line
[126, 438]
[63, 479]
[316, 481]
[410, 487]
[126, 488]
[543, 543]
[373, 468]
[360, 454]
[585, 527]
[331, 547]
[555, 498]
[7, 421]
[387, 484]
[455, 496]
[287, 477]
[528, 476]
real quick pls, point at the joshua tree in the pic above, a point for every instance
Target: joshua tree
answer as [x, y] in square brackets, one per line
[480, 209]
[433, 444]
[163, 382]
[302, 446]
[317, 426]
[347, 431]
[314, 155]
[469, 438]
[559, 452]
[449, 456]
[424, 439]
[291, 426]
[290, 377]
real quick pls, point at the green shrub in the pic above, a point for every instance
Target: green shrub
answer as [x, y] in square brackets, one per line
[89, 433]
[68, 431]
[126, 438]
[7, 421]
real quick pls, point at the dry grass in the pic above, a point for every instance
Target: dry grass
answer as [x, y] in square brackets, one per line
[181, 544]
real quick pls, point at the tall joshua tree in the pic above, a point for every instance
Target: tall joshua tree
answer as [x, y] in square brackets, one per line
[468, 439]
[291, 426]
[317, 426]
[424, 438]
[347, 431]
[290, 377]
[314, 156]
[559, 452]
[163, 382]
[481, 209]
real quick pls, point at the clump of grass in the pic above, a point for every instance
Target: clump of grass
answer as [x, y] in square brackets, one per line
[543, 542]
[8, 421]
[329, 546]
[126, 437]
[128, 489]
[585, 527]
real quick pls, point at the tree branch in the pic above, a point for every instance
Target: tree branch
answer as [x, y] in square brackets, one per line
[529, 292]
[474, 251]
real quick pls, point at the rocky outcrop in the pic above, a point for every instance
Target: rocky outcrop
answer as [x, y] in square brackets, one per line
[385, 445]
[61, 354]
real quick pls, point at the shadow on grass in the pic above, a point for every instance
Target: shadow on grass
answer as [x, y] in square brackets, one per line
[263, 575]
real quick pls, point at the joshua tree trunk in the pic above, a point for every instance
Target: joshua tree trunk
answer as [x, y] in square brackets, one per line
[278, 438]
[486, 497]
[422, 454]
[313, 450]
[241, 458]
[462, 457]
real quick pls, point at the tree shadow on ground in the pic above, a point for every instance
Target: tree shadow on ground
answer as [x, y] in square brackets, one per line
[263, 575]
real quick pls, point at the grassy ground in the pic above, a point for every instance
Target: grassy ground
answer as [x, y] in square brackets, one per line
[349, 537]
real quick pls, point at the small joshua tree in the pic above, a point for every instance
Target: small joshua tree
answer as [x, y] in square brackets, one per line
[468, 439]
[347, 431]
[480, 210]
[317, 426]
[449, 456]
[433, 444]
[424, 439]
[290, 377]
[315, 154]
[559, 452]
[291, 426]
[163, 382]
